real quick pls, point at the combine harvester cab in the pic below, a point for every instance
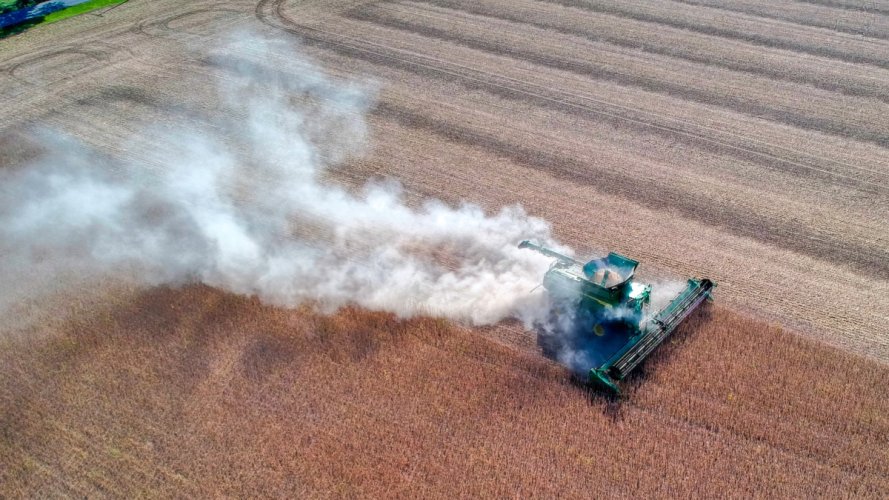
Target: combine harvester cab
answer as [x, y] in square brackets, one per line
[611, 320]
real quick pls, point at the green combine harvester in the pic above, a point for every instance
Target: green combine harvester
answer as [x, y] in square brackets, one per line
[611, 328]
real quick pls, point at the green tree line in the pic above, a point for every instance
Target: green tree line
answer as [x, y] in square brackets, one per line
[11, 5]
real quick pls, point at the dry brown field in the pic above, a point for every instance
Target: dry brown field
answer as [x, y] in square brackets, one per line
[745, 141]
[194, 392]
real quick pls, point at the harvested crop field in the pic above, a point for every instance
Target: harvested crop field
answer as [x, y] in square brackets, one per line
[744, 141]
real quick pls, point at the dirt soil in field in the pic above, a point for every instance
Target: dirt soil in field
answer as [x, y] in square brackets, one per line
[747, 142]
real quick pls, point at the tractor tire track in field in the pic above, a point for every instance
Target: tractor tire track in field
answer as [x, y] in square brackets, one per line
[92, 55]
[762, 39]
[157, 28]
[828, 18]
[871, 7]
[57, 66]
[639, 39]
[749, 106]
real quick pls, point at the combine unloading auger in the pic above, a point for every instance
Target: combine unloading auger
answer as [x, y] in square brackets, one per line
[611, 323]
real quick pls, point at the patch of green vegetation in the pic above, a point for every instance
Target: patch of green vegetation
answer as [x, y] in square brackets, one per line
[53, 17]
[11, 5]
[79, 9]
[18, 28]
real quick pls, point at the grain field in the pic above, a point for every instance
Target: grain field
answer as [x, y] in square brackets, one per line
[194, 392]
[744, 141]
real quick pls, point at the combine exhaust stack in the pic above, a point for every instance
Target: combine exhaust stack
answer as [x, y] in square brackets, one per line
[612, 323]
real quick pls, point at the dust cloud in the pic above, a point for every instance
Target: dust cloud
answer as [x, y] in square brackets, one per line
[240, 202]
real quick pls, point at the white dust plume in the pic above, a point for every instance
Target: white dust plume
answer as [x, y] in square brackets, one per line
[241, 202]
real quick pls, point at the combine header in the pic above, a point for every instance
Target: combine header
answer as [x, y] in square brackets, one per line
[611, 325]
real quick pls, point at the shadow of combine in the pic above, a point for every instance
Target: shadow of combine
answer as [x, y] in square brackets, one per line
[578, 339]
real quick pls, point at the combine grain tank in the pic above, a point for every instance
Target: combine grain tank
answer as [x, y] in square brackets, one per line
[611, 322]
